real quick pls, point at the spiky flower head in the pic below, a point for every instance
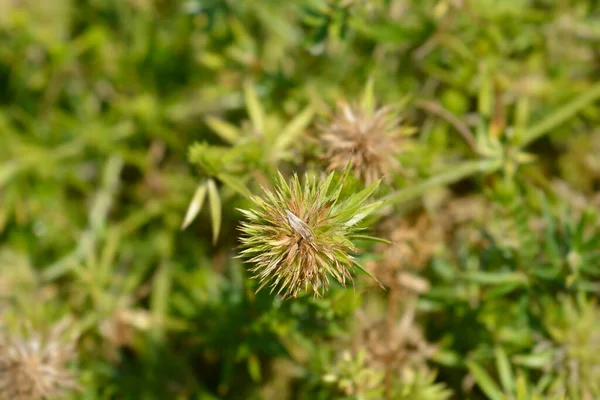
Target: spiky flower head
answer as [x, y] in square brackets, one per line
[34, 367]
[369, 139]
[301, 235]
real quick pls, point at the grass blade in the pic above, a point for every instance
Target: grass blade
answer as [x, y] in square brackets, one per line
[226, 131]
[255, 109]
[561, 115]
[484, 381]
[293, 130]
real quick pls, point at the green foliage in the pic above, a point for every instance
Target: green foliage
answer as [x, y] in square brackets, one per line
[133, 133]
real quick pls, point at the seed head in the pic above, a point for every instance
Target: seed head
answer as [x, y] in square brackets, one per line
[370, 141]
[400, 263]
[301, 235]
[34, 367]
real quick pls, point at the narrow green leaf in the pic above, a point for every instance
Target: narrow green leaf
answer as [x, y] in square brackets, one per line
[579, 233]
[359, 198]
[560, 116]
[447, 358]
[484, 381]
[453, 174]
[485, 95]
[235, 183]
[550, 241]
[496, 278]
[226, 131]
[254, 368]
[535, 360]
[368, 98]
[364, 271]
[325, 186]
[592, 244]
[507, 378]
[195, 206]
[391, 32]
[370, 239]
[159, 300]
[341, 182]
[522, 391]
[255, 109]
[295, 128]
[215, 209]
[7, 171]
[364, 212]
[522, 109]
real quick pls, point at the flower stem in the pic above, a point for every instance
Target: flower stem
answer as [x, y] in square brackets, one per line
[454, 174]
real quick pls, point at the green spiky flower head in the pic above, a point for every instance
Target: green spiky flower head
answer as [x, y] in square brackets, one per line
[299, 236]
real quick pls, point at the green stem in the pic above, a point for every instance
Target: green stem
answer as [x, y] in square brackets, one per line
[468, 168]
[561, 115]
[454, 174]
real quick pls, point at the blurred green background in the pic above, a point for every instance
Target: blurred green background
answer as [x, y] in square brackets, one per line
[100, 101]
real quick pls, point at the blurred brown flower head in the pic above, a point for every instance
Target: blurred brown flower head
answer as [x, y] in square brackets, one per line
[33, 367]
[398, 347]
[369, 140]
[119, 329]
[413, 242]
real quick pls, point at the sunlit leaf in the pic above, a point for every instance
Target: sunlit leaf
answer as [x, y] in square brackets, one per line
[195, 205]
[215, 208]
[294, 129]
[255, 108]
[485, 381]
[225, 130]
